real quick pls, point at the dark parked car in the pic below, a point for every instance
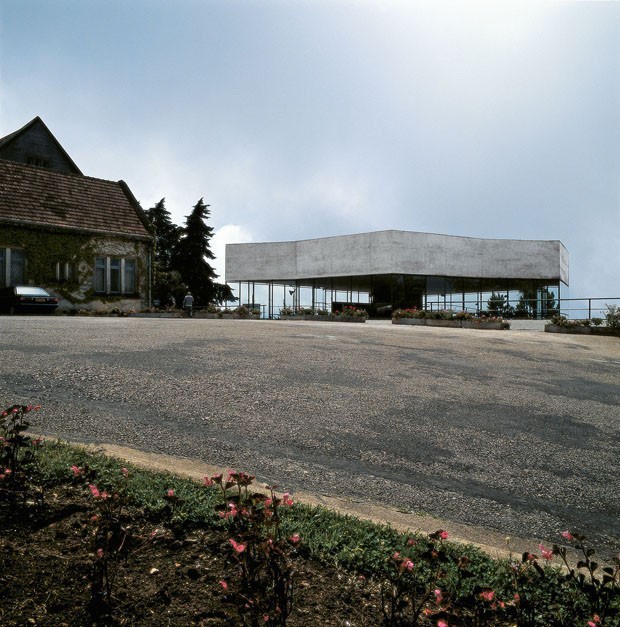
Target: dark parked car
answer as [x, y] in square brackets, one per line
[26, 299]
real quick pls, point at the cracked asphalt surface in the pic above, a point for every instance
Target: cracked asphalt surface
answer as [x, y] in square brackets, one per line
[514, 431]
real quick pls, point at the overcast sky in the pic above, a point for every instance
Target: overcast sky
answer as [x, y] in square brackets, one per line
[304, 119]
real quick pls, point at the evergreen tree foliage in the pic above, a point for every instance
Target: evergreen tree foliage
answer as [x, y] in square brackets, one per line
[192, 252]
[167, 234]
[166, 281]
[536, 304]
[498, 305]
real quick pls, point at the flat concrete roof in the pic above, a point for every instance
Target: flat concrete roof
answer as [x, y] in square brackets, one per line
[397, 252]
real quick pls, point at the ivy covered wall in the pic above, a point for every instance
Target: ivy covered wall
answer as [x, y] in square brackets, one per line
[44, 250]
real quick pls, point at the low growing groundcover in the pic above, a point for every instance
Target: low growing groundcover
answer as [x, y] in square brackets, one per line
[87, 541]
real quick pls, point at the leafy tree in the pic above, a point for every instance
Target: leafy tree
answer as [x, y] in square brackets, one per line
[192, 252]
[223, 293]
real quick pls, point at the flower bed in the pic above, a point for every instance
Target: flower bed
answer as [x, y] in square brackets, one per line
[593, 326]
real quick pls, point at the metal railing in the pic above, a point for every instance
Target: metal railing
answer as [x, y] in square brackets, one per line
[571, 308]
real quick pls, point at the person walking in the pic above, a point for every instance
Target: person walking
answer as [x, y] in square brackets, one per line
[188, 304]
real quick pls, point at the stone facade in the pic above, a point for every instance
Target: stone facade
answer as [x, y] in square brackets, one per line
[84, 239]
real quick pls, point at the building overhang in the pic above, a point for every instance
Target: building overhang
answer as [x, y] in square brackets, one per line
[345, 258]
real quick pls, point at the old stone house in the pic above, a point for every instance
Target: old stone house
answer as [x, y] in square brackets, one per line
[84, 239]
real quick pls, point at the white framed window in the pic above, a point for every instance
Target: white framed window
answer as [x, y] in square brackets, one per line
[114, 275]
[12, 264]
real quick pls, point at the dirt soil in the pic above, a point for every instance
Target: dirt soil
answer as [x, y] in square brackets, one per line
[46, 560]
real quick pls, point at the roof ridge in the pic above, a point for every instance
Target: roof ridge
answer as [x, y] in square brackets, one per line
[11, 136]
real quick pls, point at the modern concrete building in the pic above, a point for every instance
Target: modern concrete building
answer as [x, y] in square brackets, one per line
[401, 269]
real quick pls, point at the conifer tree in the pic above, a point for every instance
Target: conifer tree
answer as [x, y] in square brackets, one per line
[192, 252]
[166, 280]
[167, 235]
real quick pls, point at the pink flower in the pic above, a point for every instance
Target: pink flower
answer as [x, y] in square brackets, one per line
[396, 555]
[223, 584]
[124, 472]
[286, 499]
[94, 490]
[99, 552]
[516, 597]
[442, 623]
[76, 471]
[238, 546]
[232, 511]
[567, 535]
[487, 595]
[443, 535]
[209, 482]
[407, 564]
[546, 553]
[438, 595]
[596, 620]
[170, 493]
[268, 502]
[266, 618]
[295, 538]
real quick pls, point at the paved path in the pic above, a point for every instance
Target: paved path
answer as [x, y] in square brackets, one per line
[517, 431]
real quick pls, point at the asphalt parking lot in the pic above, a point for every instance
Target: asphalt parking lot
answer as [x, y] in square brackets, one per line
[515, 431]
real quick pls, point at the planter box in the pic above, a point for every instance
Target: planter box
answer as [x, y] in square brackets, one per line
[490, 326]
[419, 322]
[325, 318]
[450, 324]
[557, 328]
[226, 316]
[609, 331]
[349, 319]
[157, 315]
[208, 316]
[291, 317]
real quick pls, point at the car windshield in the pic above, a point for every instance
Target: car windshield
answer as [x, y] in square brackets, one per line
[30, 291]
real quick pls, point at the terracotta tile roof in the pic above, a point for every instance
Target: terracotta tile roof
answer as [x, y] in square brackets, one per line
[37, 196]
